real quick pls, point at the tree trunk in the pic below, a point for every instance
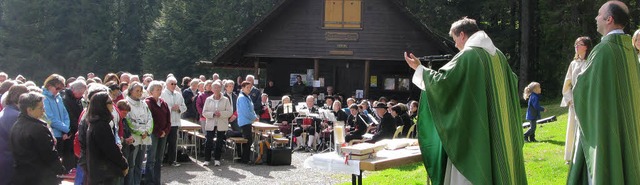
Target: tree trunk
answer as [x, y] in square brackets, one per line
[525, 44]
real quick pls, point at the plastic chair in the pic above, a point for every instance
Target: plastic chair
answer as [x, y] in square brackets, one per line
[398, 131]
[411, 131]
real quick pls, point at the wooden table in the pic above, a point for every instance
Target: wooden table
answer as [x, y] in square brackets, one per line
[192, 129]
[260, 128]
[188, 125]
[385, 159]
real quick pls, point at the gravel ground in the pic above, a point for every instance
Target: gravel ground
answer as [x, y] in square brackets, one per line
[237, 173]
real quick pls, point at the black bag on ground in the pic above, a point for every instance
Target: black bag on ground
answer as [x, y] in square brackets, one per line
[182, 156]
[279, 156]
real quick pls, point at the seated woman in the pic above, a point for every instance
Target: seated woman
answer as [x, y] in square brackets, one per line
[285, 118]
[399, 113]
[338, 112]
[355, 125]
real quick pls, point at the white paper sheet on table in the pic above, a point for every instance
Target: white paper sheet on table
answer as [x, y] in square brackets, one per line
[332, 162]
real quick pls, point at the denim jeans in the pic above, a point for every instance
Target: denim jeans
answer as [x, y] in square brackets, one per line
[128, 154]
[135, 166]
[172, 140]
[531, 133]
[154, 159]
[79, 175]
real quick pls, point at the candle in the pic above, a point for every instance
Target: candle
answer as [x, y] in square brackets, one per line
[339, 134]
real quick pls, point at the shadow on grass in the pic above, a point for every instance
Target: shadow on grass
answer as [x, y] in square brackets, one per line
[559, 143]
[410, 167]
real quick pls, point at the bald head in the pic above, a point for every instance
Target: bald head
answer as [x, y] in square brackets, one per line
[612, 15]
[619, 11]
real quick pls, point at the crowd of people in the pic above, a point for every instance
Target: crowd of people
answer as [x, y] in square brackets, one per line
[100, 129]
[103, 130]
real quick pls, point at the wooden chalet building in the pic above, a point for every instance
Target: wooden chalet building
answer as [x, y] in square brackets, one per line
[351, 44]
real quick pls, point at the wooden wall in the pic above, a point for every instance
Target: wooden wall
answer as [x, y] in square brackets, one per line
[297, 33]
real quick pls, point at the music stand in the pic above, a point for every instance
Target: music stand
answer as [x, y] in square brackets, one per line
[287, 108]
[329, 116]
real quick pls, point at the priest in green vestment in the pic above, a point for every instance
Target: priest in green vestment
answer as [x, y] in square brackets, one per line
[607, 104]
[469, 124]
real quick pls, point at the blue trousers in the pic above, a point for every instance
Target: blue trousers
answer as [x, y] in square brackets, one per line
[155, 155]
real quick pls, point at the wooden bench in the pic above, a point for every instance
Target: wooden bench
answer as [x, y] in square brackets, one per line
[232, 142]
[191, 138]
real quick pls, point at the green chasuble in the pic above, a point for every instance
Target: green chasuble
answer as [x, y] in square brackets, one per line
[469, 114]
[607, 103]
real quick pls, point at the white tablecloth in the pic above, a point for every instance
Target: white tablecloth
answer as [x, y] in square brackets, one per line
[331, 161]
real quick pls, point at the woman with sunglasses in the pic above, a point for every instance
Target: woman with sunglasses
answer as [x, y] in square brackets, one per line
[57, 116]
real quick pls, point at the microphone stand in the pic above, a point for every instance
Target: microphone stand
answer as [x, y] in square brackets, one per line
[435, 58]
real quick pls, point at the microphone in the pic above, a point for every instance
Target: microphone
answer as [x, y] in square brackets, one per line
[436, 57]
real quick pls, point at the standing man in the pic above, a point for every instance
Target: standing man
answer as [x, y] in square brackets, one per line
[469, 126]
[72, 98]
[246, 117]
[255, 95]
[298, 88]
[607, 104]
[171, 95]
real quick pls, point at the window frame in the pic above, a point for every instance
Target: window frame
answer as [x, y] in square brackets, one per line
[342, 23]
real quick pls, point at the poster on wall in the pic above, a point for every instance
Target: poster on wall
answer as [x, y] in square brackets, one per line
[292, 78]
[359, 93]
[309, 77]
[316, 83]
[389, 84]
[373, 82]
[403, 84]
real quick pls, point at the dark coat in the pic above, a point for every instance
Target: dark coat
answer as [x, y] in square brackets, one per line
[8, 117]
[161, 116]
[34, 152]
[104, 159]
[281, 116]
[74, 108]
[404, 120]
[233, 98]
[358, 126]
[386, 128]
[256, 98]
[340, 115]
[272, 91]
[190, 102]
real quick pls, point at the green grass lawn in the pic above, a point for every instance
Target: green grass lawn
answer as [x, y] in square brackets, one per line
[544, 160]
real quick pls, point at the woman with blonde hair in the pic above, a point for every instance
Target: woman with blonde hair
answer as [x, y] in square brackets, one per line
[582, 49]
